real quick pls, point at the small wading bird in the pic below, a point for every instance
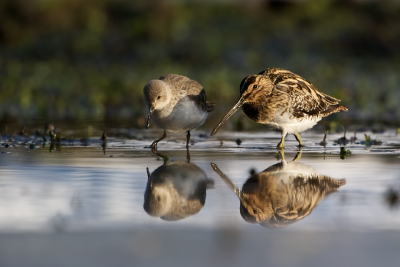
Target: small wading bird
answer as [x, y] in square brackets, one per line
[176, 190]
[282, 194]
[176, 104]
[283, 101]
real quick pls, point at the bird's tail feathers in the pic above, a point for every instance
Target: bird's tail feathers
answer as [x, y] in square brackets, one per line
[210, 106]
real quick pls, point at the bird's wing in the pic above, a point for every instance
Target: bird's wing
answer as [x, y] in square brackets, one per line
[197, 93]
[305, 98]
[185, 86]
[308, 192]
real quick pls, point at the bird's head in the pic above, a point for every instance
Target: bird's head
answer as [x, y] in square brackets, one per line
[254, 85]
[157, 199]
[157, 202]
[157, 95]
[255, 205]
[251, 88]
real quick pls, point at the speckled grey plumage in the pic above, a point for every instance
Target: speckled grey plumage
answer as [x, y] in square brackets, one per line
[176, 190]
[176, 104]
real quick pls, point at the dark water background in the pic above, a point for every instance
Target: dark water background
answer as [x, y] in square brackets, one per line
[73, 60]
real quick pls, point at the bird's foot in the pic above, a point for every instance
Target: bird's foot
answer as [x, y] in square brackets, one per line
[298, 138]
[280, 146]
[281, 155]
[153, 147]
[298, 155]
[188, 156]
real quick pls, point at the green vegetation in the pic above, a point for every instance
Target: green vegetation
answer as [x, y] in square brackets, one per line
[89, 60]
[370, 142]
[344, 153]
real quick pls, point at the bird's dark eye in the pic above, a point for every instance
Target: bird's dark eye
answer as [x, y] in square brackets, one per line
[158, 97]
[158, 198]
[255, 86]
[255, 211]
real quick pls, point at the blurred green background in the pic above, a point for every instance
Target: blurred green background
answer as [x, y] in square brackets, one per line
[71, 60]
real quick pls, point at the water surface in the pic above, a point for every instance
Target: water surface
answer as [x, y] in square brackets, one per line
[81, 188]
[74, 205]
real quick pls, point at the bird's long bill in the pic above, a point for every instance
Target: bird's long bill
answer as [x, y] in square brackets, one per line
[227, 181]
[148, 118]
[235, 108]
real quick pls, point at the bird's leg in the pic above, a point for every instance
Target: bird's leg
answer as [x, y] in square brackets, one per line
[281, 144]
[298, 138]
[298, 155]
[187, 155]
[282, 155]
[187, 139]
[165, 158]
[153, 146]
[187, 146]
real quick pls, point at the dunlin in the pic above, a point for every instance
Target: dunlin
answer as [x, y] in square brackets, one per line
[283, 101]
[282, 194]
[176, 190]
[176, 104]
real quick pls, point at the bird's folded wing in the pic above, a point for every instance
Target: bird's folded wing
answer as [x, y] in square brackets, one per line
[305, 98]
[200, 100]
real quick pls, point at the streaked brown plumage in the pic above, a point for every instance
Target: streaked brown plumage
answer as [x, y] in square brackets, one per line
[283, 101]
[176, 104]
[282, 194]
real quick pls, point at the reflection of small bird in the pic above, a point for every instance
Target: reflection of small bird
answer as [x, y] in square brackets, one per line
[176, 104]
[282, 194]
[175, 190]
[283, 101]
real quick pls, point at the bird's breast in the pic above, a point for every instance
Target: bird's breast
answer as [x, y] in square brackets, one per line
[258, 112]
[184, 116]
[278, 117]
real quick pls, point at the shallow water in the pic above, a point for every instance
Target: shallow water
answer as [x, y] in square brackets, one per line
[76, 187]
[74, 204]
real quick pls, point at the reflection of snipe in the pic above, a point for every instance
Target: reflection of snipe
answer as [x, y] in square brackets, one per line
[175, 190]
[282, 194]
